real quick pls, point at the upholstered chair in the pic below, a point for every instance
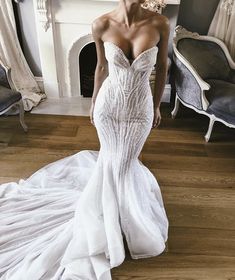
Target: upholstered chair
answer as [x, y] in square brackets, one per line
[9, 97]
[204, 77]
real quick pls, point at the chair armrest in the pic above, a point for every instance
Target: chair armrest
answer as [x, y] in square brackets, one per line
[189, 85]
[5, 76]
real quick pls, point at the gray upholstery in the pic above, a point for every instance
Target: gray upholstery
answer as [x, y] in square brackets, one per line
[207, 58]
[221, 97]
[8, 97]
[186, 85]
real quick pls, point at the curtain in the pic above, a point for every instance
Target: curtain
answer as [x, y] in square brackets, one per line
[12, 56]
[223, 24]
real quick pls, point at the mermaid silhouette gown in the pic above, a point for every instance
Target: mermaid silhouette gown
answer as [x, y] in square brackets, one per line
[68, 219]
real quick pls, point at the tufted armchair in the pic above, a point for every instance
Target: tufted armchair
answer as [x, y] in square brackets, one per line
[204, 77]
[8, 96]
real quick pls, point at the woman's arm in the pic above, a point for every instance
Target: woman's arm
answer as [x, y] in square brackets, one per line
[101, 71]
[161, 68]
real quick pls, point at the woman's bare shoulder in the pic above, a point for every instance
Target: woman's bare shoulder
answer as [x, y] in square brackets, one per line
[161, 21]
[100, 24]
[156, 19]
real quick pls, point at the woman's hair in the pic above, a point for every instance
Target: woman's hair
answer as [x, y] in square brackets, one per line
[154, 5]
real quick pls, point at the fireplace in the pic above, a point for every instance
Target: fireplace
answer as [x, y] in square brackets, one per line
[66, 46]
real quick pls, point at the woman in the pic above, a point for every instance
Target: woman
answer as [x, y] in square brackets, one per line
[68, 220]
[142, 29]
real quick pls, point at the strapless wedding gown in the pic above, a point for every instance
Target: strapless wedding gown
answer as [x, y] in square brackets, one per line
[68, 219]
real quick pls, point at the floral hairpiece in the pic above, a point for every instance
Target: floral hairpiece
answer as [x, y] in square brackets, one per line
[154, 5]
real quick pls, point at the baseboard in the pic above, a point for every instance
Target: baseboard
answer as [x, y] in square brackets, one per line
[39, 81]
[166, 97]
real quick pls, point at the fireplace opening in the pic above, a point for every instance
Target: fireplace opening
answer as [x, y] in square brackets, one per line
[87, 65]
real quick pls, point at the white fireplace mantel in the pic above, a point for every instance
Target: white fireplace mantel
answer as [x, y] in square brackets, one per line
[43, 9]
[63, 29]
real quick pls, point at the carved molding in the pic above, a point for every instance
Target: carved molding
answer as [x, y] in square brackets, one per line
[44, 12]
[181, 32]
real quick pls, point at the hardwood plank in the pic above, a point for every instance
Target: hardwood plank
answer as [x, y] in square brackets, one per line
[190, 149]
[204, 241]
[200, 197]
[168, 148]
[189, 163]
[177, 267]
[194, 178]
[54, 142]
[200, 216]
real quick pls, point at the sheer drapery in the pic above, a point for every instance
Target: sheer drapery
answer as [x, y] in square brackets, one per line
[12, 56]
[222, 25]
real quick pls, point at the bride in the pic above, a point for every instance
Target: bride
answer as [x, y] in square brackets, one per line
[68, 220]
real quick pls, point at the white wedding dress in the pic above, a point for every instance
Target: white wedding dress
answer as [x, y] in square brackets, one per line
[68, 219]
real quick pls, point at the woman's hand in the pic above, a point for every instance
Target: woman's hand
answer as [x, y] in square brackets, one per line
[91, 113]
[157, 118]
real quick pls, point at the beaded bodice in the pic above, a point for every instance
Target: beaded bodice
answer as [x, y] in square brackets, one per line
[129, 75]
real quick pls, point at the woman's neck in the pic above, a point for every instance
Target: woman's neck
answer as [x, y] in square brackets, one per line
[129, 11]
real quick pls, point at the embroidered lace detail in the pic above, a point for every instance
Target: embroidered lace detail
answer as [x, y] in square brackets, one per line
[228, 6]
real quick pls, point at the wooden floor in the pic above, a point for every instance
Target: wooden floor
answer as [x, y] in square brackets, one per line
[197, 180]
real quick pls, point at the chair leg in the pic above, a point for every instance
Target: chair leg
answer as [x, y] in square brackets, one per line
[21, 108]
[176, 108]
[211, 124]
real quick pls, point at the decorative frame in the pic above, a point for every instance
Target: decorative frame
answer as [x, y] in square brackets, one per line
[44, 12]
[43, 9]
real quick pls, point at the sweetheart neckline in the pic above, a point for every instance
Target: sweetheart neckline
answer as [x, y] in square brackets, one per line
[124, 55]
